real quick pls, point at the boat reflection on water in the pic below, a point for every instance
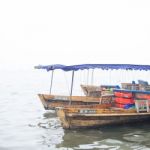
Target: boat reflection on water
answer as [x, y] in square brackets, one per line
[49, 114]
[125, 137]
[133, 136]
[74, 138]
[49, 120]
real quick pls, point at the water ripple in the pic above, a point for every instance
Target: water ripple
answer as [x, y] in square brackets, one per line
[138, 136]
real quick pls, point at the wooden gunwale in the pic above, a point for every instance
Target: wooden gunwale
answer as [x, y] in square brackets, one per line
[47, 97]
[53, 101]
[99, 115]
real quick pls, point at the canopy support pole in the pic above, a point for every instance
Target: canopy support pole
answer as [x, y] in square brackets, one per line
[51, 82]
[87, 77]
[92, 78]
[71, 87]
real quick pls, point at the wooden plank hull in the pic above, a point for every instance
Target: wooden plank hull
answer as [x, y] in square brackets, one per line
[53, 101]
[94, 118]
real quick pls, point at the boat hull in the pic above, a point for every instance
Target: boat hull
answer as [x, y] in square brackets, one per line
[54, 101]
[71, 120]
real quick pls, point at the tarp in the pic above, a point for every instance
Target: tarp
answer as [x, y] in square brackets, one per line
[94, 66]
[50, 67]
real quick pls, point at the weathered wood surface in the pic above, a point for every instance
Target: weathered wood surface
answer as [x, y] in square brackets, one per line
[90, 117]
[62, 97]
[53, 101]
[95, 91]
[91, 90]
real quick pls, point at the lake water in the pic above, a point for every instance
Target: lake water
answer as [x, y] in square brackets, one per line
[25, 125]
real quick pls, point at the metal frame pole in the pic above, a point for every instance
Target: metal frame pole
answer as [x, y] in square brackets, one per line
[71, 87]
[87, 77]
[51, 81]
[92, 78]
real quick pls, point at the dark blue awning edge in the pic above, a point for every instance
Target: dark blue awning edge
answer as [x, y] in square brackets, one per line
[50, 67]
[94, 66]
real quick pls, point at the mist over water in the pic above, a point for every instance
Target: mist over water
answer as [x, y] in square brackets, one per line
[24, 124]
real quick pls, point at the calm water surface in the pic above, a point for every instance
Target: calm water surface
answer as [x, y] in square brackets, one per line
[25, 125]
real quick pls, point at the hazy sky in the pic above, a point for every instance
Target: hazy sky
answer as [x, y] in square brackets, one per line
[81, 31]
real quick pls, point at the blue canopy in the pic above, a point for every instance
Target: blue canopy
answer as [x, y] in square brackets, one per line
[50, 67]
[95, 66]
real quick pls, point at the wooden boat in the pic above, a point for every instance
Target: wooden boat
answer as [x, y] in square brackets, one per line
[98, 115]
[101, 115]
[83, 116]
[97, 91]
[101, 97]
[53, 101]
[91, 90]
